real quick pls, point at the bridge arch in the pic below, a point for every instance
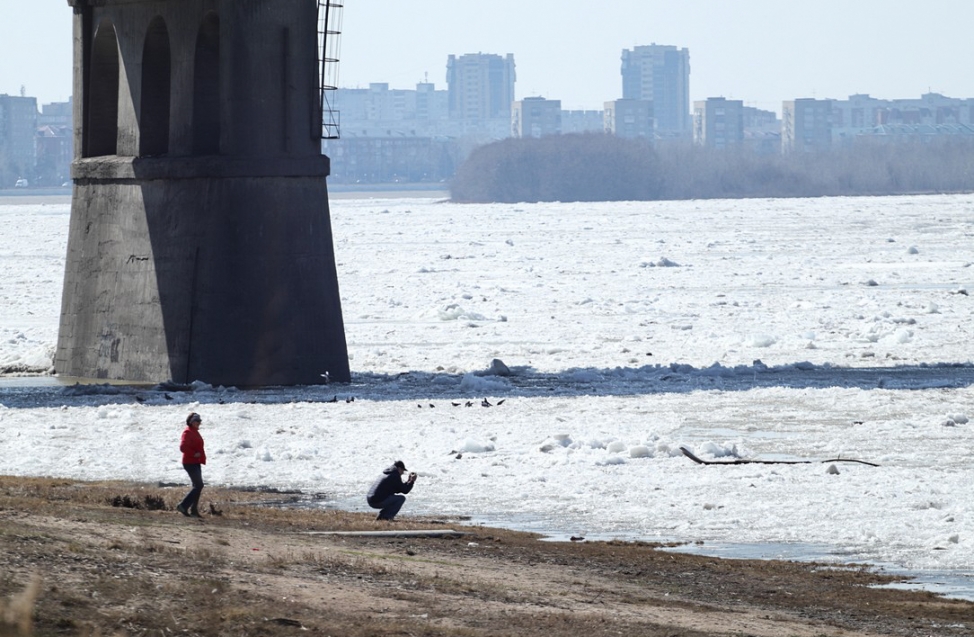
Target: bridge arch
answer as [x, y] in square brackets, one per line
[154, 111]
[102, 107]
[206, 87]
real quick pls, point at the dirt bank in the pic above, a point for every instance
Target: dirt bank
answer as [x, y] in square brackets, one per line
[115, 559]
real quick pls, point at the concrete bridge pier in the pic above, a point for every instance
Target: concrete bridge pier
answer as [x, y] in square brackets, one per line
[200, 244]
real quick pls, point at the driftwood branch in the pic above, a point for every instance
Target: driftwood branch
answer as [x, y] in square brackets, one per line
[689, 454]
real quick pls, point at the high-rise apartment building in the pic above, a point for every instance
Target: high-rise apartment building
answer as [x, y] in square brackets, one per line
[431, 105]
[806, 125]
[18, 129]
[536, 117]
[381, 110]
[377, 103]
[480, 86]
[660, 74]
[718, 123]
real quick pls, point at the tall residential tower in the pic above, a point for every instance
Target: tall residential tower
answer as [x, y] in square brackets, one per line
[480, 86]
[660, 74]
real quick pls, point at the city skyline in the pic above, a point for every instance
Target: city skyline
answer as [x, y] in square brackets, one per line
[571, 50]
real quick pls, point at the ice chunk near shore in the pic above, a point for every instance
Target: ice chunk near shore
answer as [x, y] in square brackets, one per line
[479, 384]
[719, 451]
[455, 312]
[497, 368]
[471, 445]
[640, 451]
[556, 441]
[662, 263]
[954, 420]
[759, 340]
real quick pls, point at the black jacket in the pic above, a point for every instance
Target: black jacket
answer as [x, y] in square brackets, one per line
[389, 483]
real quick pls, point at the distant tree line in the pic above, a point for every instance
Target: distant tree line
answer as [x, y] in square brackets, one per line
[598, 167]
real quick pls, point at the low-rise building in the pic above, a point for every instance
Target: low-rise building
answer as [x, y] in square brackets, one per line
[54, 155]
[762, 131]
[395, 158]
[916, 133]
[55, 144]
[629, 118]
[806, 125]
[582, 121]
[535, 117]
[718, 123]
[864, 116]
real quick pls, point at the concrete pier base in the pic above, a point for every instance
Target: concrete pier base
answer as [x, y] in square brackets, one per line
[201, 270]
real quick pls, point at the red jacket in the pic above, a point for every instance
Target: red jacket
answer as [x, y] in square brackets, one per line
[191, 444]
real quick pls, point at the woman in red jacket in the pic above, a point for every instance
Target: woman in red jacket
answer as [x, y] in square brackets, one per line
[191, 444]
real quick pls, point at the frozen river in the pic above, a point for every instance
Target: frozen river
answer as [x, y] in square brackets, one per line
[805, 329]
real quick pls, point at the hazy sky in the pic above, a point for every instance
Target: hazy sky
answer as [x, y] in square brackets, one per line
[759, 51]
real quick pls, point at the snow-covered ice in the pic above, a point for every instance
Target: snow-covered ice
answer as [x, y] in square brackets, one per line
[614, 333]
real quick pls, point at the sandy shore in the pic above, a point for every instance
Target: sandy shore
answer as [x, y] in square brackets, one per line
[114, 558]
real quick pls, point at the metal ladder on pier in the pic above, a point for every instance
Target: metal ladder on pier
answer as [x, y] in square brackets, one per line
[329, 40]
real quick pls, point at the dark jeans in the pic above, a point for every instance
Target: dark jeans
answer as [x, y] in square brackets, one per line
[390, 506]
[192, 500]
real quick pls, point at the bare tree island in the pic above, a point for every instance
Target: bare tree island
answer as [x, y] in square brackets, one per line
[200, 244]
